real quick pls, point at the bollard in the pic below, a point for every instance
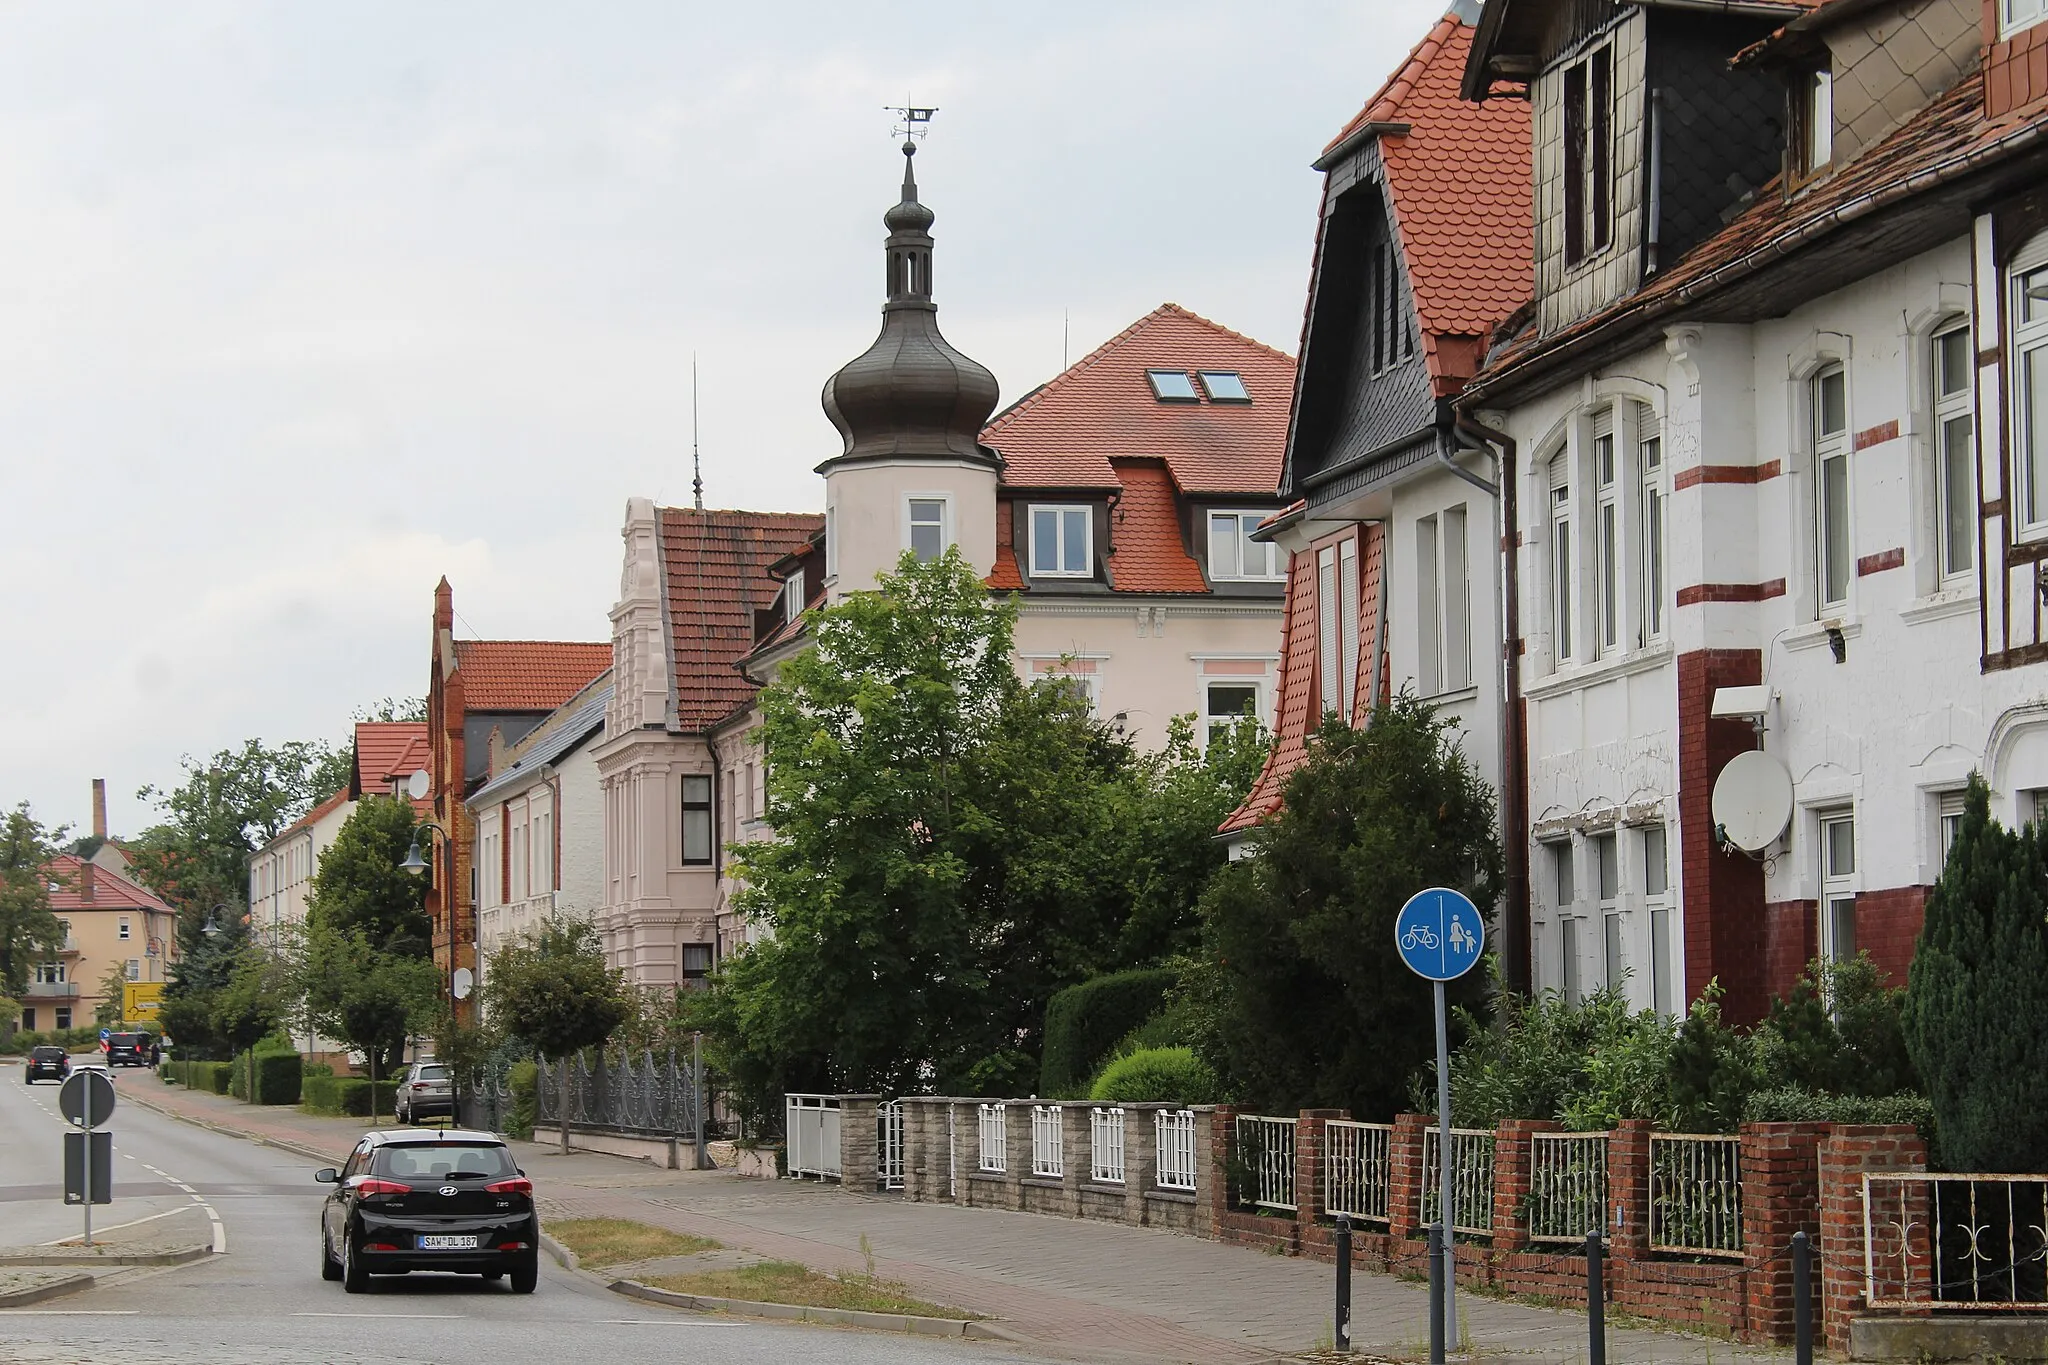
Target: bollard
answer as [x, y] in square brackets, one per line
[1596, 1301]
[1802, 1299]
[1436, 1294]
[1343, 1329]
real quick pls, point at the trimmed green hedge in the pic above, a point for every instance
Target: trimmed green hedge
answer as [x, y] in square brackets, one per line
[345, 1095]
[207, 1077]
[1084, 1023]
[278, 1077]
[1174, 1075]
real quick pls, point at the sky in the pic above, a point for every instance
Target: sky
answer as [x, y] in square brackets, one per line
[305, 306]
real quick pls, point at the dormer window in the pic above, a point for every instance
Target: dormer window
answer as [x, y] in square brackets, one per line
[1225, 386]
[1172, 386]
[1589, 156]
[1235, 556]
[2014, 15]
[1813, 122]
[793, 596]
[1060, 542]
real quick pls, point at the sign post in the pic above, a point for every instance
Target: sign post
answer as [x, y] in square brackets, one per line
[1439, 934]
[86, 1099]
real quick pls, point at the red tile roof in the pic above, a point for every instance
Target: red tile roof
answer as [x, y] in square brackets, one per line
[387, 749]
[111, 891]
[1006, 576]
[1064, 433]
[717, 576]
[1459, 182]
[325, 808]
[1145, 529]
[526, 675]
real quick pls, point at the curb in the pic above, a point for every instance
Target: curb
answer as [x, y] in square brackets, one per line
[21, 1298]
[59, 1256]
[226, 1130]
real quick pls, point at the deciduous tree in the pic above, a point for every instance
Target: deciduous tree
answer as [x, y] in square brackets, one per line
[29, 932]
[551, 989]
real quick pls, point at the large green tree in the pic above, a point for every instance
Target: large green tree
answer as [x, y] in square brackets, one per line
[1977, 994]
[550, 988]
[362, 885]
[29, 932]
[1313, 1006]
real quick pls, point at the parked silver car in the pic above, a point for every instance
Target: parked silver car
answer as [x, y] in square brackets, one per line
[426, 1091]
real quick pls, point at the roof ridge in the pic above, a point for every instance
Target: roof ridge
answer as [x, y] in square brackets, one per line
[577, 643]
[710, 512]
[1404, 78]
[1232, 333]
[108, 874]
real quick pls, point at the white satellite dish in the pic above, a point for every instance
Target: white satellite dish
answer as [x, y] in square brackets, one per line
[465, 982]
[1753, 801]
[418, 784]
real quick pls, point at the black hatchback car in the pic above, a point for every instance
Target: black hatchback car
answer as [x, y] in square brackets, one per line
[46, 1063]
[128, 1049]
[452, 1200]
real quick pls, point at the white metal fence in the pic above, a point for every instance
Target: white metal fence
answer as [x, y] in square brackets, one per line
[1471, 1180]
[1265, 1149]
[1174, 1131]
[994, 1138]
[1969, 1242]
[1106, 1145]
[1567, 1185]
[1045, 1141]
[889, 1144]
[1696, 1194]
[1357, 1168]
[810, 1123]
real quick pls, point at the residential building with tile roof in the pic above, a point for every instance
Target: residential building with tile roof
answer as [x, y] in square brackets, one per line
[1422, 249]
[109, 921]
[1777, 436]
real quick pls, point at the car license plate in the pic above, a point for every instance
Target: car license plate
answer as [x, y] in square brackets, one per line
[448, 1243]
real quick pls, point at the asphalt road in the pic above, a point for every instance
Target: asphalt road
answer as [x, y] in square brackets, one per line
[263, 1300]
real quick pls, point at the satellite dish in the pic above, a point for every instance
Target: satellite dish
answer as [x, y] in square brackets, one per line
[464, 983]
[1753, 801]
[418, 784]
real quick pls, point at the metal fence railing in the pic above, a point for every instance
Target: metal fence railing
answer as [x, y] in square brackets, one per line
[643, 1096]
[1955, 1242]
[810, 1127]
[1567, 1185]
[1106, 1145]
[1046, 1157]
[992, 1139]
[1174, 1132]
[1265, 1147]
[1696, 1194]
[1357, 1169]
[889, 1144]
[1471, 1180]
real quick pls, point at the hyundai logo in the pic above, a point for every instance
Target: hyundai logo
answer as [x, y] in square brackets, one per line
[447, 1189]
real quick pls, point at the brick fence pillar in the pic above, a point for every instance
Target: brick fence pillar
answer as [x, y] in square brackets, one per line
[1780, 1196]
[1626, 1219]
[858, 1150]
[1141, 1158]
[1309, 1146]
[1901, 1261]
[1404, 1174]
[1214, 1182]
[1511, 1157]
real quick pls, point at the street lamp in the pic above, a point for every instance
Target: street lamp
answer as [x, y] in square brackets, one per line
[414, 863]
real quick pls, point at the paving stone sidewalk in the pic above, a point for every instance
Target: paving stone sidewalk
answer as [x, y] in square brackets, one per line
[1064, 1287]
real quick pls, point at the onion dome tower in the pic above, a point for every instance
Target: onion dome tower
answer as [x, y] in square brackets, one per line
[909, 410]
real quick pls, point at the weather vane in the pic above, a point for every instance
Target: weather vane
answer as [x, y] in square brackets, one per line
[911, 121]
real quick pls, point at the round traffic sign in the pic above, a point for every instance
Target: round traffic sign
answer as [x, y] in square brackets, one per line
[1439, 933]
[81, 1087]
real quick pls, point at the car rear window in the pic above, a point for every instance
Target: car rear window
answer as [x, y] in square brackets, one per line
[48, 1054]
[443, 1161]
[126, 1039]
[433, 1073]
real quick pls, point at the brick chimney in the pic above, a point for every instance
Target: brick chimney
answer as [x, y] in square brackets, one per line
[99, 807]
[87, 879]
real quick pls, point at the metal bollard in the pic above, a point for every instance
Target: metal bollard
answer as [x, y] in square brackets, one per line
[1802, 1299]
[1596, 1300]
[1343, 1320]
[1436, 1294]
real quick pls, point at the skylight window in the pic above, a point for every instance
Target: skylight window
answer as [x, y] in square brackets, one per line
[1225, 386]
[1172, 386]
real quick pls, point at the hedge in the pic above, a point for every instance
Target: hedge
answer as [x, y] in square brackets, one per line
[70, 1039]
[278, 1077]
[1084, 1023]
[523, 1081]
[203, 1076]
[345, 1095]
[1174, 1075]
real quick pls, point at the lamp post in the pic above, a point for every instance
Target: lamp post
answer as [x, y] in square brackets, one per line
[416, 864]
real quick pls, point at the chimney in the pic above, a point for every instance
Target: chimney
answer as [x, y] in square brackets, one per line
[86, 879]
[99, 807]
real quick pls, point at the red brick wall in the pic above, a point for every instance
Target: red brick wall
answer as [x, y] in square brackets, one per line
[1724, 894]
[1847, 1152]
[1791, 931]
[1888, 924]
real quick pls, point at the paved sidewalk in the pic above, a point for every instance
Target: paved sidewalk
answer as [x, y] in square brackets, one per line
[1063, 1287]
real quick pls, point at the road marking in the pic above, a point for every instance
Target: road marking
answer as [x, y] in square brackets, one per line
[151, 1219]
[220, 1232]
[667, 1322]
[433, 1317]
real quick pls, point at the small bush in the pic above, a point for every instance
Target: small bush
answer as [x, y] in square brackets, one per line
[1173, 1075]
[1790, 1104]
[1084, 1023]
[523, 1081]
[344, 1095]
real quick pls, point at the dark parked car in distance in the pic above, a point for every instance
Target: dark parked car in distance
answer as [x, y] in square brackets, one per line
[449, 1200]
[45, 1063]
[128, 1049]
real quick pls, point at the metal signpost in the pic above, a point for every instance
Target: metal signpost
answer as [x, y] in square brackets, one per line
[1439, 934]
[86, 1099]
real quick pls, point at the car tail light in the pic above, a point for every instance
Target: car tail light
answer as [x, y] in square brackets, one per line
[371, 1185]
[512, 1246]
[516, 1185]
[380, 1246]
[419, 1085]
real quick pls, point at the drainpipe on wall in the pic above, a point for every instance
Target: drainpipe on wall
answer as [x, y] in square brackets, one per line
[1514, 785]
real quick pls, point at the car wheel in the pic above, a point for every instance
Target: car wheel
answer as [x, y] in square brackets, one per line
[355, 1278]
[330, 1269]
[525, 1274]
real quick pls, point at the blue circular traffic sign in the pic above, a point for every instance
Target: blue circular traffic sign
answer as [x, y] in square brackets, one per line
[1439, 933]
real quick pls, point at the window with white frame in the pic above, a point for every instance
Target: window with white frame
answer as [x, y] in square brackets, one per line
[1606, 851]
[1607, 530]
[1457, 590]
[1838, 887]
[697, 840]
[1833, 551]
[793, 596]
[134, 969]
[2029, 312]
[1082, 677]
[2014, 15]
[1650, 462]
[49, 973]
[831, 540]
[1235, 557]
[1589, 155]
[1564, 887]
[924, 527]
[519, 862]
[1060, 542]
[1347, 635]
[1227, 703]
[1955, 452]
[1561, 556]
[544, 852]
[1428, 609]
[123, 930]
[1657, 896]
[1329, 633]
[1813, 121]
[1443, 604]
[1568, 959]
[1948, 822]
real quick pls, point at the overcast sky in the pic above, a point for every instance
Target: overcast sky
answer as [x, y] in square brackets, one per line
[305, 305]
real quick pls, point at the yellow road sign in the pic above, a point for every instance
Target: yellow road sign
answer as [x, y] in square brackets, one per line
[140, 1000]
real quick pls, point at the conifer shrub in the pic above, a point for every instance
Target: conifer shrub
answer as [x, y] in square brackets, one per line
[1084, 1024]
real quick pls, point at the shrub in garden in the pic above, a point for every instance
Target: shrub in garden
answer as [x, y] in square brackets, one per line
[1173, 1075]
[523, 1080]
[1084, 1023]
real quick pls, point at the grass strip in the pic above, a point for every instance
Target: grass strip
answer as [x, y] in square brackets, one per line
[600, 1242]
[790, 1283]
